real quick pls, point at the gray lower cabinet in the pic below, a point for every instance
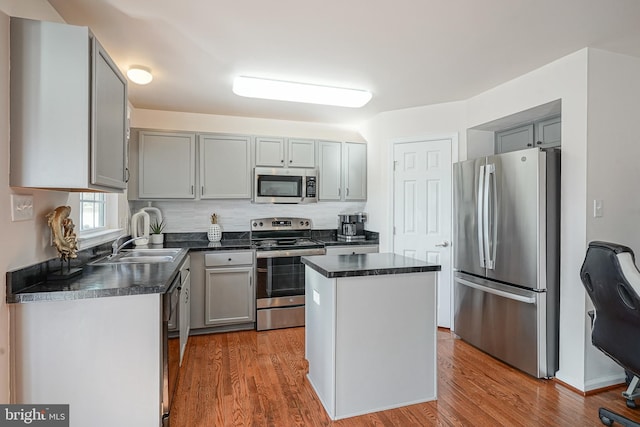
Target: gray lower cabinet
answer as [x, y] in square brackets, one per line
[184, 312]
[223, 293]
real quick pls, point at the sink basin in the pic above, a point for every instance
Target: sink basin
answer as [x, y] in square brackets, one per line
[140, 256]
[132, 253]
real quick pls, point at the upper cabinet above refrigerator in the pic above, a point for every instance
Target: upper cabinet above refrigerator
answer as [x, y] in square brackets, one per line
[543, 134]
[68, 110]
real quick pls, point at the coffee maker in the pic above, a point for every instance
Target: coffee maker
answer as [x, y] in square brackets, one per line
[351, 226]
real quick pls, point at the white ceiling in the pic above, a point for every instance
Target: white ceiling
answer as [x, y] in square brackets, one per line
[407, 52]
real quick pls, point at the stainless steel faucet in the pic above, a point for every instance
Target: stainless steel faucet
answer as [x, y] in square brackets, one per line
[115, 248]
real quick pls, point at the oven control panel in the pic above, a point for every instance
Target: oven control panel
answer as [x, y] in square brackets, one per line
[269, 224]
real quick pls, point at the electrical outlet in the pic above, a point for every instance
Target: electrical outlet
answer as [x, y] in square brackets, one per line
[21, 207]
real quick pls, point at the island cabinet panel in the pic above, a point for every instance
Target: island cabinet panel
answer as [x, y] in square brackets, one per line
[102, 356]
[371, 341]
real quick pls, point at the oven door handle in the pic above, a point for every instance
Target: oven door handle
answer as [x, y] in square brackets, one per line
[290, 253]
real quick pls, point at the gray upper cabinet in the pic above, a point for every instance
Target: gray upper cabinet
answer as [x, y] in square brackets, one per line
[514, 139]
[225, 166]
[548, 133]
[167, 165]
[301, 153]
[342, 171]
[270, 151]
[285, 152]
[355, 171]
[68, 105]
[329, 170]
[543, 133]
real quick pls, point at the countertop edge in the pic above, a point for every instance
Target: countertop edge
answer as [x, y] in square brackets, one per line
[346, 270]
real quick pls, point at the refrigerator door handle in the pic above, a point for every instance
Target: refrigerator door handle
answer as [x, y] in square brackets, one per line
[490, 215]
[520, 298]
[480, 219]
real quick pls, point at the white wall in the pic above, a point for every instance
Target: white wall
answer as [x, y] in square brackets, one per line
[606, 121]
[25, 242]
[564, 79]
[613, 174]
[435, 121]
[171, 120]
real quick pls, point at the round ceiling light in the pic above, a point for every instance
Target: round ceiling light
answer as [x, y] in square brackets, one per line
[139, 75]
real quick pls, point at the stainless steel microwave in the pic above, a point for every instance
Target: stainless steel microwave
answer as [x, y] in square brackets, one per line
[287, 185]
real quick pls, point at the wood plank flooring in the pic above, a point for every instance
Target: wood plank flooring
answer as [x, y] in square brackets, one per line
[258, 379]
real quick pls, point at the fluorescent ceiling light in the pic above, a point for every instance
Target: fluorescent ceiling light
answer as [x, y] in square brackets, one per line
[139, 75]
[253, 87]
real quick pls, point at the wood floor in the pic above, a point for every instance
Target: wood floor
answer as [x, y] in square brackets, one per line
[258, 379]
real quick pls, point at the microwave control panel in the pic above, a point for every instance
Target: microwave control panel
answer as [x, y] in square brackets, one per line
[311, 187]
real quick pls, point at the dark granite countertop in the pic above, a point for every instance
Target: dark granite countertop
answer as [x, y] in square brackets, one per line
[334, 242]
[332, 266]
[30, 284]
[97, 281]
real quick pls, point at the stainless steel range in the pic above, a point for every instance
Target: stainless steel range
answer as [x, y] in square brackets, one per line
[280, 242]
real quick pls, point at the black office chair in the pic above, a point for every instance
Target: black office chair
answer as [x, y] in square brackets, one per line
[612, 280]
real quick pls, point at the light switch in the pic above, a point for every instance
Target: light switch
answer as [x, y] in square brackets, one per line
[21, 207]
[316, 297]
[598, 208]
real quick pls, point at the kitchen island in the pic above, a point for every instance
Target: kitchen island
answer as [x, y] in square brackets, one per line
[370, 331]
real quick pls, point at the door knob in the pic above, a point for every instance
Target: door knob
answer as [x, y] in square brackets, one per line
[443, 244]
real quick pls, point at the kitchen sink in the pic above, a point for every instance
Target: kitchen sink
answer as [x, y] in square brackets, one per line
[140, 256]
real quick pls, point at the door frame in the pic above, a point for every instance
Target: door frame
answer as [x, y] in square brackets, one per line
[455, 153]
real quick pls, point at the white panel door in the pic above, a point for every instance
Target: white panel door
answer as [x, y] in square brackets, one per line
[422, 210]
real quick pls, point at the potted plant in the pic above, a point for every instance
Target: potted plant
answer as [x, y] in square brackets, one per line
[156, 237]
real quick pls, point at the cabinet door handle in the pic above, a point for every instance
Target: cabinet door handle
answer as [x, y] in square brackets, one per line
[127, 173]
[290, 161]
[347, 192]
[338, 191]
[202, 193]
[539, 142]
[529, 145]
[282, 161]
[192, 189]
[229, 260]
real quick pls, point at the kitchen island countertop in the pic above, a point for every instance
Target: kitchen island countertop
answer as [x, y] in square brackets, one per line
[371, 264]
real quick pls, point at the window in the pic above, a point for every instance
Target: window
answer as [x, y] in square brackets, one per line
[93, 207]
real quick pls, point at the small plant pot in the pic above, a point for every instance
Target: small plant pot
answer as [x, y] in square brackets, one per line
[215, 233]
[156, 239]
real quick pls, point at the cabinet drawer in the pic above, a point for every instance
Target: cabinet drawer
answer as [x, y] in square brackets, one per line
[228, 258]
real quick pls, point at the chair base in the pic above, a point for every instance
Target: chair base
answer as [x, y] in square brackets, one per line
[633, 390]
[608, 418]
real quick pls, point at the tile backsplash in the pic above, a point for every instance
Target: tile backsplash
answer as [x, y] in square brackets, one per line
[234, 215]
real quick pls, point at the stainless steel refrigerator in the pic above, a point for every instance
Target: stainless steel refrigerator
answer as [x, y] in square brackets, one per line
[506, 257]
